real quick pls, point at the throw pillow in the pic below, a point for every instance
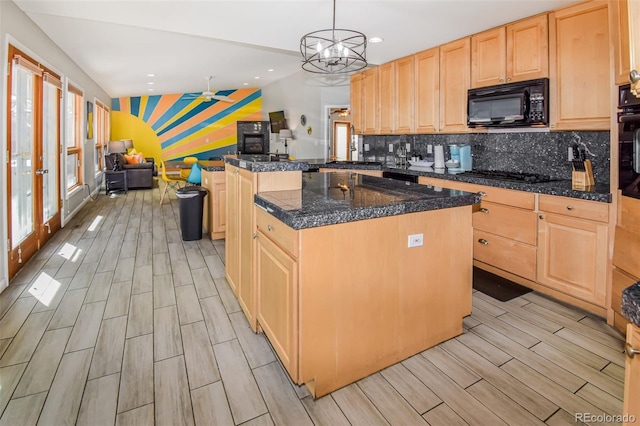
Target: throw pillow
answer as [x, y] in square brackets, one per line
[131, 159]
[132, 151]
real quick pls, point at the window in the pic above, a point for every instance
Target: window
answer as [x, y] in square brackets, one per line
[102, 134]
[74, 136]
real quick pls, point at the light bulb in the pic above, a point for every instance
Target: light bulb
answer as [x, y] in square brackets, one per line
[345, 52]
[326, 53]
[319, 47]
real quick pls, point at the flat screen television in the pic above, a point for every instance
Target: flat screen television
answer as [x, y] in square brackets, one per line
[277, 121]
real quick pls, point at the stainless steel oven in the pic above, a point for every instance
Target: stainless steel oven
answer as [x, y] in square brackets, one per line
[629, 143]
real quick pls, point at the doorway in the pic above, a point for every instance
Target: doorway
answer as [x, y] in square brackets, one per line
[33, 148]
[341, 140]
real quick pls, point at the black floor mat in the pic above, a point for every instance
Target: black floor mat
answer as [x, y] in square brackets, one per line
[497, 287]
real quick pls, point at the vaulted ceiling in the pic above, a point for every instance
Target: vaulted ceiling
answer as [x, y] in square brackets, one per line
[118, 43]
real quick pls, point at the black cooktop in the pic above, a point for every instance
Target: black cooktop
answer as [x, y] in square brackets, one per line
[510, 176]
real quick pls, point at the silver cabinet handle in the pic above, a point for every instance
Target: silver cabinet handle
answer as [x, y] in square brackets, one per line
[270, 228]
[483, 241]
[509, 79]
[254, 235]
[235, 171]
[540, 217]
[569, 207]
[634, 76]
[483, 210]
[482, 194]
[631, 351]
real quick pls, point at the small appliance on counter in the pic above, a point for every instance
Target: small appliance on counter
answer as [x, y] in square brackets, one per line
[466, 162]
[438, 157]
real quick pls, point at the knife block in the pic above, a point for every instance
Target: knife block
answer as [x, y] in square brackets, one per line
[583, 179]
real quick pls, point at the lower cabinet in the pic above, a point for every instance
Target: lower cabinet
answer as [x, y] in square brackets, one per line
[216, 203]
[277, 284]
[631, 407]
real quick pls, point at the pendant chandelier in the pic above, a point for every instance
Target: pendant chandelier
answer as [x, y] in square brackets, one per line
[334, 51]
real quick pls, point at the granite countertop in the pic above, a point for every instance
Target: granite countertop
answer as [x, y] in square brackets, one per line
[331, 198]
[261, 163]
[600, 193]
[212, 165]
[631, 303]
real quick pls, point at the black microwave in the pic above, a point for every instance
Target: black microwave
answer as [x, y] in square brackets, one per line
[521, 104]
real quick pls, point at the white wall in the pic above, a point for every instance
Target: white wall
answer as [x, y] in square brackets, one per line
[16, 28]
[308, 94]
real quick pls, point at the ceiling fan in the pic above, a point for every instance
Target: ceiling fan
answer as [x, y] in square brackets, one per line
[208, 95]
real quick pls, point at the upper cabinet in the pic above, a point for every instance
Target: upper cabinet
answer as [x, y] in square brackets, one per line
[579, 67]
[427, 81]
[371, 125]
[455, 70]
[386, 97]
[516, 52]
[634, 44]
[619, 21]
[356, 95]
[405, 95]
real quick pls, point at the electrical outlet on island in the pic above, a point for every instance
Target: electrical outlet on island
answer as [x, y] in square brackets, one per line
[390, 147]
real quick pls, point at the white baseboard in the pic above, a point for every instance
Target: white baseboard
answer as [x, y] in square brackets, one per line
[3, 284]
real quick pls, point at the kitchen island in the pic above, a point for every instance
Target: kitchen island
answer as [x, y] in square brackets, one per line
[355, 273]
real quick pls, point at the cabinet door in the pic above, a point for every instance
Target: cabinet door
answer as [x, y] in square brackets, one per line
[528, 49]
[488, 58]
[404, 98]
[370, 101]
[246, 294]
[580, 73]
[619, 18]
[356, 103]
[427, 82]
[277, 311]
[631, 405]
[455, 70]
[231, 242]
[634, 41]
[387, 97]
[572, 257]
[219, 208]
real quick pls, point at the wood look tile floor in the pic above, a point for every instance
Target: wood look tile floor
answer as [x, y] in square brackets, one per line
[118, 321]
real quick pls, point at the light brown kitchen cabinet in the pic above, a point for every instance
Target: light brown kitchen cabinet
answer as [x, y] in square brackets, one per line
[216, 202]
[634, 42]
[277, 287]
[371, 125]
[631, 405]
[619, 20]
[489, 58]
[387, 97]
[356, 96]
[579, 84]
[404, 99]
[626, 246]
[427, 91]
[572, 254]
[455, 75]
[241, 187]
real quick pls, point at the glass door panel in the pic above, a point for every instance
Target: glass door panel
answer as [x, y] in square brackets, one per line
[50, 141]
[22, 144]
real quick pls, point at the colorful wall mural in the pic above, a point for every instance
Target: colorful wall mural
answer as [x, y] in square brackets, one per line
[171, 127]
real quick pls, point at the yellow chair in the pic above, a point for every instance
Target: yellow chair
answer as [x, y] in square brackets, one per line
[184, 173]
[172, 182]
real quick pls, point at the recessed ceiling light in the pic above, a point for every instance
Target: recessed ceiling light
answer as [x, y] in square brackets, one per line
[257, 78]
[150, 82]
[151, 75]
[376, 40]
[150, 90]
[270, 70]
[246, 84]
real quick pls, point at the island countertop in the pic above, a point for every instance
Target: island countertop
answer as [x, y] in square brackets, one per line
[331, 198]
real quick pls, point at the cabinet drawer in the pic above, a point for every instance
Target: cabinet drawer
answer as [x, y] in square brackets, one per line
[510, 197]
[626, 249]
[620, 281]
[573, 207]
[630, 214]
[280, 233]
[509, 255]
[509, 222]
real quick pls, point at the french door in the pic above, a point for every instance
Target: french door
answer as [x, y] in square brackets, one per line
[33, 172]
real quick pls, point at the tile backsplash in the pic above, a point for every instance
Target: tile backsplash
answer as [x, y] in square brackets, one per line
[528, 152]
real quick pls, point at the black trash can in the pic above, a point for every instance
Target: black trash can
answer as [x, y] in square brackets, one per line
[191, 203]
